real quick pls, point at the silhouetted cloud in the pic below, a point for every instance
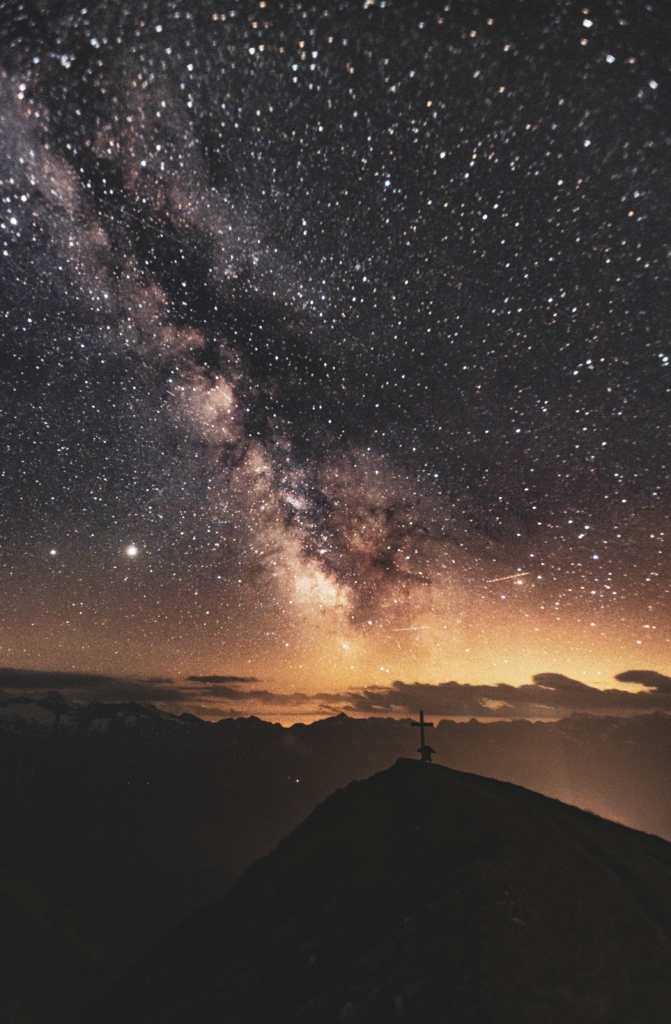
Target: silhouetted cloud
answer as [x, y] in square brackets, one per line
[269, 697]
[656, 679]
[549, 694]
[33, 679]
[223, 679]
[88, 686]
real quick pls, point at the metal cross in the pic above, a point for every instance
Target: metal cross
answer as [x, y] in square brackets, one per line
[425, 750]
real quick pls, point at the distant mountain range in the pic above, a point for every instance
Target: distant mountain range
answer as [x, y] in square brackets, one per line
[128, 818]
[426, 895]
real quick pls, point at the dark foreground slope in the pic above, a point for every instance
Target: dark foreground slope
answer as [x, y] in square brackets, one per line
[425, 894]
[132, 818]
[49, 968]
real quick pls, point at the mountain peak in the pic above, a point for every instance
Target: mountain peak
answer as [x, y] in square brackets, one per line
[427, 894]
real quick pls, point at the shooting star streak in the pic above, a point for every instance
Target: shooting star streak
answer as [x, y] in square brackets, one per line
[515, 576]
[407, 629]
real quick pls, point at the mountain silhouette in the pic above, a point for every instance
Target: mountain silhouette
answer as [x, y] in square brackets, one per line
[132, 818]
[426, 894]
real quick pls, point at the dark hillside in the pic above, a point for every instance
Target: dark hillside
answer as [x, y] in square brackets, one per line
[132, 818]
[425, 894]
[50, 969]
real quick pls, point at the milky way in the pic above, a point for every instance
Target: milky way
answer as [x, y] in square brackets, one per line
[335, 341]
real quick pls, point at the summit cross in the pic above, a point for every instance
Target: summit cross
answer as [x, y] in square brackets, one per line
[424, 750]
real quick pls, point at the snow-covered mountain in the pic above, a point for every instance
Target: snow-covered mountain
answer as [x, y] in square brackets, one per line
[53, 713]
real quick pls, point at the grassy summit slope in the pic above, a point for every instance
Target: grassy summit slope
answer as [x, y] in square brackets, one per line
[426, 894]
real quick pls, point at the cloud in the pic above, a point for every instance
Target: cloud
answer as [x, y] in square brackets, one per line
[548, 695]
[223, 679]
[266, 697]
[646, 678]
[87, 687]
[33, 679]
[229, 688]
[231, 691]
[175, 696]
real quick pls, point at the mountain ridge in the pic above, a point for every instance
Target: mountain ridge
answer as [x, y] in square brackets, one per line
[135, 818]
[426, 894]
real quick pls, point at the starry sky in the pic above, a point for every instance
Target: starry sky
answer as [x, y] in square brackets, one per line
[335, 349]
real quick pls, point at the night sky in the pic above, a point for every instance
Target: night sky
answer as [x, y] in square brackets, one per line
[335, 344]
